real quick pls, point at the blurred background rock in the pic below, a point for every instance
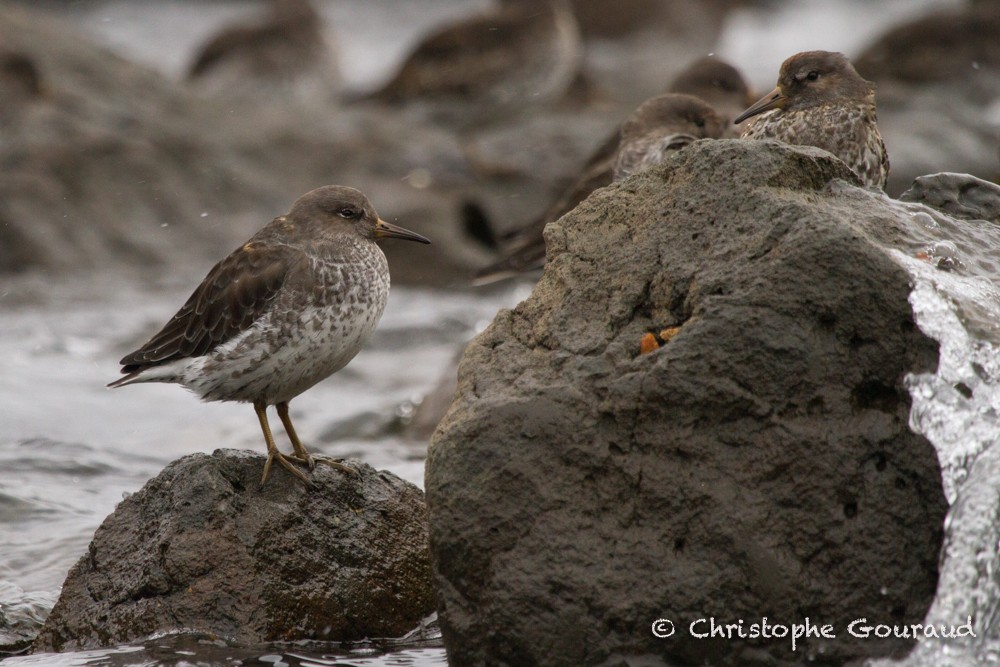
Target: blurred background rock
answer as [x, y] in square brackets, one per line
[131, 131]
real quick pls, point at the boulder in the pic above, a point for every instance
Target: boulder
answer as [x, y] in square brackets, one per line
[755, 462]
[204, 548]
[958, 195]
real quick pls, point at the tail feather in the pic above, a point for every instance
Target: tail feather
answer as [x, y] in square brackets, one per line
[128, 379]
[154, 373]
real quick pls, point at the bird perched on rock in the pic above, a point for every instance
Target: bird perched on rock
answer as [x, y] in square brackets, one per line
[718, 83]
[821, 101]
[523, 51]
[287, 309]
[658, 127]
[285, 49]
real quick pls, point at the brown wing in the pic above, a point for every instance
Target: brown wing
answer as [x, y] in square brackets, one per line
[232, 296]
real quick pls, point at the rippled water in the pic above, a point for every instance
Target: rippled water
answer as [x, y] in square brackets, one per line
[70, 448]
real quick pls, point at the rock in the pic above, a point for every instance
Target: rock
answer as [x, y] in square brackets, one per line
[758, 464]
[20, 620]
[959, 195]
[202, 547]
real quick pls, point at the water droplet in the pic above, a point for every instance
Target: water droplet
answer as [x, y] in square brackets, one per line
[419, 178]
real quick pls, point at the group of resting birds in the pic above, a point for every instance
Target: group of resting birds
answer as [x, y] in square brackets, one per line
[820, 100]
[296, 302]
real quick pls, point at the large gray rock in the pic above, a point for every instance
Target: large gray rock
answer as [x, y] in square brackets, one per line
[202, 547]
[958, 195]
[758, 464]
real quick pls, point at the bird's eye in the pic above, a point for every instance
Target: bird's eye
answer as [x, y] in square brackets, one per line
[347, 212]
[813, 75]
[699, 122]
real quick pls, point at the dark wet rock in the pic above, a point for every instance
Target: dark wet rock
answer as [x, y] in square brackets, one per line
[202, 547]
[759, 463]
[434, 404]
[959, 195]
[20, 621]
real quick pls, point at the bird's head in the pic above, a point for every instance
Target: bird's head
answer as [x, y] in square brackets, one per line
[341, 209]
[809, 79]
[673, 113]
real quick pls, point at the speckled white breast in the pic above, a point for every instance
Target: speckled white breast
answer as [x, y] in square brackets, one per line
[302, 338]
[848, 131]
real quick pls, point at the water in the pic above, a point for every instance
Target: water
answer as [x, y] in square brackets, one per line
[955, 268]
[70, 448]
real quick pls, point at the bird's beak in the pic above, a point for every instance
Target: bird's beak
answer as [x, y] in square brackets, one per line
[773, 100]
[385, 230]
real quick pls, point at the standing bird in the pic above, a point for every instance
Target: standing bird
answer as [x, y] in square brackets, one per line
[822, 101]
[658, 127]
[288, 308]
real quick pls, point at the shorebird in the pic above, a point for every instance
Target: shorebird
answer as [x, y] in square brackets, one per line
[522, 52]
[288, 308]
[821, 101]
[720, 84]
[286, 49]
[658, 127]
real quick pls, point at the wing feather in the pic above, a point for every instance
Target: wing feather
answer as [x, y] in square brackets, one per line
[234, 294]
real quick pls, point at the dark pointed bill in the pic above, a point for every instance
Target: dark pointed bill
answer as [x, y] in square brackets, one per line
[773, 100]
[386, 230]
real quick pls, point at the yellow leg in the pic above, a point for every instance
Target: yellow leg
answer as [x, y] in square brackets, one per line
[300, 451]
[301, 454]
[272, 450]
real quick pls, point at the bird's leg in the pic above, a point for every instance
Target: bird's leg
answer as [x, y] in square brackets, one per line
[272, 450]
[301, 454]
[300, 451]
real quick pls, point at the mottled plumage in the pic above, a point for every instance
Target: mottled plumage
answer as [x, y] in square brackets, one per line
[658, 127]
[521, 52]
[821, 101]
[287, 309]
[720, 84]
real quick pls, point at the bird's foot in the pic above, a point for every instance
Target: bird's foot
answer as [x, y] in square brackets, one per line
[336, 463]
[286, 462]
[308, 460]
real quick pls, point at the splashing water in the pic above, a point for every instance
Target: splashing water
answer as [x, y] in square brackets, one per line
[955, 271]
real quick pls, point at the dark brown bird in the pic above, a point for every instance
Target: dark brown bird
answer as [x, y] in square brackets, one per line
[286, 47]
[718, 83]
[288, 308]
[821, 101]
[521, 52]
[658, 127]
